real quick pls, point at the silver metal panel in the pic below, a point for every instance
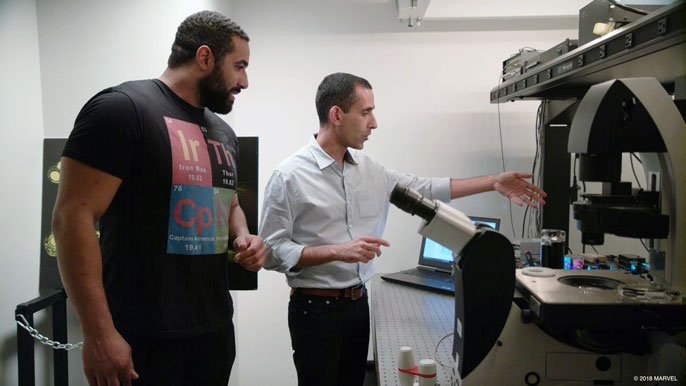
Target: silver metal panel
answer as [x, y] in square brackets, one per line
[407, 316]
[550, 290]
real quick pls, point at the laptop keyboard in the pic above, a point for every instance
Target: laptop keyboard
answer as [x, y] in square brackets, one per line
[429, 274]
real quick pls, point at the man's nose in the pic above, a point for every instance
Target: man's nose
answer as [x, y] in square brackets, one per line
[243, 81]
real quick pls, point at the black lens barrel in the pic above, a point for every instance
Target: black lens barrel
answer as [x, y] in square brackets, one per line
[412, 202]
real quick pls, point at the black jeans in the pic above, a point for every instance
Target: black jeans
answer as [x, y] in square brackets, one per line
[203, 360]
[330, 339]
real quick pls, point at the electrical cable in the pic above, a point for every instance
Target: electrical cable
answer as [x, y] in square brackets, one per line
[533, 168]
[644, 245]
[539, 219]
[670, 329]
[596, 251]
[634, 170]
[502, 155]
[627, 8]
[574, 189]
[534, 176]
[637, 159]
[436, 348]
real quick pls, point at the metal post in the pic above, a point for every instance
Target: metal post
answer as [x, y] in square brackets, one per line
[57, 299]
[59, 333]
[25, 361]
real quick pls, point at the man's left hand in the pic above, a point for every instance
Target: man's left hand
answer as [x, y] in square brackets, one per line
[251, 252]
[513, 186]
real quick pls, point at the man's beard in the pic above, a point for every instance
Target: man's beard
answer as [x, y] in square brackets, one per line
[213, 93]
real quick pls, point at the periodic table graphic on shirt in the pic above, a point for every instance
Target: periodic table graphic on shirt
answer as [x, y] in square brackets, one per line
[203, 184]
[239, 278]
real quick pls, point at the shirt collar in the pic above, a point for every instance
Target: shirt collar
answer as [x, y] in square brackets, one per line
[323, 159]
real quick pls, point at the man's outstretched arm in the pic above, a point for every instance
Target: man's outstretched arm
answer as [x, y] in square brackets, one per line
[510, 184]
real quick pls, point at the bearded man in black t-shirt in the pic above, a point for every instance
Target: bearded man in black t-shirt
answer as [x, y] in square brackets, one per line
[156, 167]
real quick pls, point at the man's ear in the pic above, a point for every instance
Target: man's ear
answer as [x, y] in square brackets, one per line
[335, 115]
[204, 58]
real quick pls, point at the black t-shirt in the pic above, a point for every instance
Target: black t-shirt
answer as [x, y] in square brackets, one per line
[165, 235]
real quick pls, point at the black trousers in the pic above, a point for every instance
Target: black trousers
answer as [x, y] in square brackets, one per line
[204, 360]
[330, 339]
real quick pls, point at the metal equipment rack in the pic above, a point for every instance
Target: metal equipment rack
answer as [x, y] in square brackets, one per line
[652, 46]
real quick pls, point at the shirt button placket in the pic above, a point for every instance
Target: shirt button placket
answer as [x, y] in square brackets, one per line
[348, 208]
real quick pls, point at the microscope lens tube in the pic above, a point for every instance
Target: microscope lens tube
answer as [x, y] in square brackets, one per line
[412, 202]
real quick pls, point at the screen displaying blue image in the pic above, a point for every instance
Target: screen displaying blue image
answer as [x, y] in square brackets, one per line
[491, 224]
[434, 250]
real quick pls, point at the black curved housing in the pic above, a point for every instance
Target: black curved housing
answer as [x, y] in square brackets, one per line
[484, 287]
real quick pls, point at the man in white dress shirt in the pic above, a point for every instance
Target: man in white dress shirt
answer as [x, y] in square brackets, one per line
[324, 213]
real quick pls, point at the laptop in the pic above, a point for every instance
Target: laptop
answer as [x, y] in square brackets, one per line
[434, 271]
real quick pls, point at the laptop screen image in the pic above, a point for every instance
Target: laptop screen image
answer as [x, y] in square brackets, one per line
[435, 251]
[491, 222]
[435, 255]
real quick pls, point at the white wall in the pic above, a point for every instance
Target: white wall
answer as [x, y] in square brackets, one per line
[482, 9]
[431, 86]
[21, 125]
[87, 46]
[84, 46]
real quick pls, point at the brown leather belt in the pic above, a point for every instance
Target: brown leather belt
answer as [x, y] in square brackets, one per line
[352, 293]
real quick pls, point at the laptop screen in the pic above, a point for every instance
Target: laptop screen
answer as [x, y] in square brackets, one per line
[491, 222]
[432, 250]
[436, 255]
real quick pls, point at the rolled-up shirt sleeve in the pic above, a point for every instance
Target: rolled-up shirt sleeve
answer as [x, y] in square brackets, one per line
[276, 228]
[432, 187]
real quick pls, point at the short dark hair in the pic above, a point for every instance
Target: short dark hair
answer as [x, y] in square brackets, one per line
[204, 28]
[337, 90]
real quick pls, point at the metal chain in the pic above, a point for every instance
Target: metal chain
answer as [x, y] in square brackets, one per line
[44, 339]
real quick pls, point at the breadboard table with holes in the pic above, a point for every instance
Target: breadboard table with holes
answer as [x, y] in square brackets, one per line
[407, 316]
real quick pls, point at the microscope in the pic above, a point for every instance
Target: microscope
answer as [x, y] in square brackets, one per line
[483, 271]
[540, 326]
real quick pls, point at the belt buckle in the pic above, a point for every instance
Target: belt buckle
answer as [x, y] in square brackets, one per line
[352, 291]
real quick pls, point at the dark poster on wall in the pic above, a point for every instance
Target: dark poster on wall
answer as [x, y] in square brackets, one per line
[239, 278]
[49, 275]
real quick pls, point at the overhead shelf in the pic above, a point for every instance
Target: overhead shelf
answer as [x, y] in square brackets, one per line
[652, 46]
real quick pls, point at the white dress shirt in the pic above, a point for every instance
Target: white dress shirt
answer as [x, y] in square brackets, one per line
[311, 201]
